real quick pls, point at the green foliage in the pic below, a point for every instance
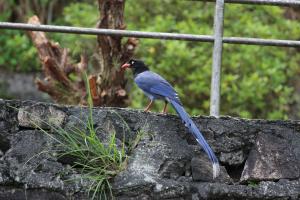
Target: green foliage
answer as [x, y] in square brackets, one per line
[19, 54]
[255, 79]
[16, 50]
[81, 15]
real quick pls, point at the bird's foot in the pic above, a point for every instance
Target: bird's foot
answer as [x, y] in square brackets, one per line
[147, 109]
[163, 113]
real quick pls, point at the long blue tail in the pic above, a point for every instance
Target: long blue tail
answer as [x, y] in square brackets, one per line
[197, 134]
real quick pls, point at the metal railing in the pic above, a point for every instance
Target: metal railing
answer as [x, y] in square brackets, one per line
[151, 35]
[217, 38]
[261, 2]
[218, 43]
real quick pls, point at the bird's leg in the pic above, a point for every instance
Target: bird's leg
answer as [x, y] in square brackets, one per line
[165, 108]
[149, 106]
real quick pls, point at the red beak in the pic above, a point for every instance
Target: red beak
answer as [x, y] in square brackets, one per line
[125, 66]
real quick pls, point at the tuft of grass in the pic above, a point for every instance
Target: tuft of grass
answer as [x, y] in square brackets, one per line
[97, 161]
[253, 183]
[133, 144]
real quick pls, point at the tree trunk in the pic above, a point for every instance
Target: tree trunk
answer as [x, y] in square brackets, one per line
[57, 67]
[111, 54]
[107, 85]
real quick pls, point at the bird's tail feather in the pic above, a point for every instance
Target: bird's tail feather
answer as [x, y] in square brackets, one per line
[197, 134]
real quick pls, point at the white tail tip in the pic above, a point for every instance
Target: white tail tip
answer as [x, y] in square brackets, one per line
[216, 170]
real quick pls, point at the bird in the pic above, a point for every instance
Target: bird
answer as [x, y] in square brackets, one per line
[156, 87]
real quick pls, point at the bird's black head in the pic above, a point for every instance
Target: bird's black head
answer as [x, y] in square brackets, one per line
[137, 66]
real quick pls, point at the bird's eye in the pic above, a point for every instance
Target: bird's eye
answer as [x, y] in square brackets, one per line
[132, 62]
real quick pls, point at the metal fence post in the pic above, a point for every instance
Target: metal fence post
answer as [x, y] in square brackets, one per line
[217, 59]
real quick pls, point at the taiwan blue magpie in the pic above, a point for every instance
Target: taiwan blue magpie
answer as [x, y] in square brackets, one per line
[156, 87]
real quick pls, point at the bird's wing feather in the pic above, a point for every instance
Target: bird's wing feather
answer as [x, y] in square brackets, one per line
[153, 83]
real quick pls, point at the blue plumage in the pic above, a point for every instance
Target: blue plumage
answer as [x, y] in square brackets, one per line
[156, 87]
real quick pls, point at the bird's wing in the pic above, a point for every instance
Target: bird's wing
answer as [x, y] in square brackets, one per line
[153, 83]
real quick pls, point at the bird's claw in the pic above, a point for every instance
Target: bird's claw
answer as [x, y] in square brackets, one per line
[163, 113]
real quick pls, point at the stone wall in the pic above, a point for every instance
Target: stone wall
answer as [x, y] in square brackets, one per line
[260, 159]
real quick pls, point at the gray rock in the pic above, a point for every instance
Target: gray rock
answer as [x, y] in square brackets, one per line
[9, 193]
[4, 173]
[32, 163]
[233, 157]
[272, 158]
[156, 163]
[202, 171]
[105, 121]
[41, 116]
[284, 189]
[8, 118]
[27, 163]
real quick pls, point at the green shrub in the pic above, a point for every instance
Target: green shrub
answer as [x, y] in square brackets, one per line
[255, 79]
[81, 15]
[16, 51]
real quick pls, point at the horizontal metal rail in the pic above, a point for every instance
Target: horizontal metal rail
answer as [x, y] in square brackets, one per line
[262, 2]
[143, 34]
[113, 32]
[263, 42]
